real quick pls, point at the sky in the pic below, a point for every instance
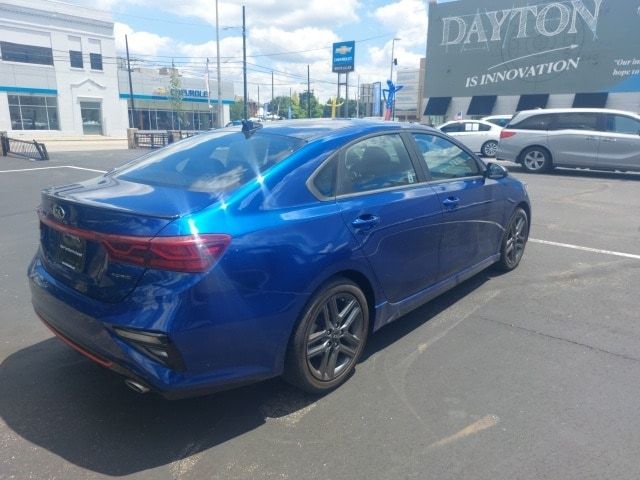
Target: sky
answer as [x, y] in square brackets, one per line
[282, 36]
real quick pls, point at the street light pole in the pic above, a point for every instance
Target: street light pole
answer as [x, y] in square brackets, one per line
[244, 62]
[393, 107]
[220, 121]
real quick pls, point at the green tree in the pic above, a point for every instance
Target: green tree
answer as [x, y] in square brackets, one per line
[317, 109]
[175, 94]
[236, 110]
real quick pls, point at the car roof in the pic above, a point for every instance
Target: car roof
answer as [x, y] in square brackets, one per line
[483, 122]
[310, 129]
[576, 110]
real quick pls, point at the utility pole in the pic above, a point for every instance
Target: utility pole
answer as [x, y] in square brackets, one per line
[358, 98]
[308, 93]
[133, 105]
[393, 106]
[244, 61]
[273, 98]
[220, 118]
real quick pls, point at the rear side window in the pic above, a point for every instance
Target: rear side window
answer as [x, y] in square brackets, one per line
[483, 128]
[623, 124]
[376, 163]
[454, 127]
[214, 162]
[535, 122]
[575, 121]
[445, 160]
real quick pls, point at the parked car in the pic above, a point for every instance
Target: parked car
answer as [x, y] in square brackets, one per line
[235, 256]
[573, 137]
[479, 136]
[500, 120]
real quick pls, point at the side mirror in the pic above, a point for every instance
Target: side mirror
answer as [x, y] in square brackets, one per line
[495, 171]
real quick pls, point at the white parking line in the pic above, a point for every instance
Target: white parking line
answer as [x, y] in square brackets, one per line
[585, 249]
[52, 168]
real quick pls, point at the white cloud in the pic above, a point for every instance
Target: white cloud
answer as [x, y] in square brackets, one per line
[408, 18]
[143, 43]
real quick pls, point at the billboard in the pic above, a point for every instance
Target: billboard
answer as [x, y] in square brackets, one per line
[344, 54]
[515, 47]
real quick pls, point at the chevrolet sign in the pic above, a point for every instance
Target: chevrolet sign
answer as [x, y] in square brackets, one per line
[343, 57]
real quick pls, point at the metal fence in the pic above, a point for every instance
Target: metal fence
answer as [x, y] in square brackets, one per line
[151, 139]
[158, 139]
[23, 148]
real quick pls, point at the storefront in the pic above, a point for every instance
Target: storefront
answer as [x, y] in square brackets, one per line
[158, 107]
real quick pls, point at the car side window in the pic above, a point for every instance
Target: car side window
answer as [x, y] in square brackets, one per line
[575, 121]
[454, 127]
[483, 127]
[445, 160]
[470, 127]
[622, 124]
[325, 180]
[376, 163]
[535, 122]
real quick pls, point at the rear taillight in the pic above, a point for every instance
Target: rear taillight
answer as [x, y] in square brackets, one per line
[187, 253]
[190, 253]
[506, 134]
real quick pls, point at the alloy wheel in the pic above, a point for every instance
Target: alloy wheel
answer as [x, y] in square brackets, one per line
[490, 149]
[335, 337]
[535, 160]
[516, 240]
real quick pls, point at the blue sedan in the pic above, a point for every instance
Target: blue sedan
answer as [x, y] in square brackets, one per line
[243, 254]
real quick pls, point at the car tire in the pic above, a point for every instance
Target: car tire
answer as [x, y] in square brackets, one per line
[536, 160]
[514, 241]
[489, 149]
[329, 339]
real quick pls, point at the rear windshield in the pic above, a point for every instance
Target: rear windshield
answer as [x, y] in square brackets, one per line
[215, 162]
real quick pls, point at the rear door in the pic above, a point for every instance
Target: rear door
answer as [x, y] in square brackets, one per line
[574, 138]
[473, 207]
[392, 213]
[620, 145]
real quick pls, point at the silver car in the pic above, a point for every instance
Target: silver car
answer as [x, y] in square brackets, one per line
[572, 137]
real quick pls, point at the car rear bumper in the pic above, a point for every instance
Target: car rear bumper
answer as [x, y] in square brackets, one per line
[61, 310]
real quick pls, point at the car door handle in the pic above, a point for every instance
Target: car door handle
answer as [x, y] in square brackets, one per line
[365, 222]
[451, 202]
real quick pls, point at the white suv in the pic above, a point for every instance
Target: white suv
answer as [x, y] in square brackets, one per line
[572, 137]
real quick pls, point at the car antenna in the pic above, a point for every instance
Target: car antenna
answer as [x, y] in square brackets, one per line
[249, 127]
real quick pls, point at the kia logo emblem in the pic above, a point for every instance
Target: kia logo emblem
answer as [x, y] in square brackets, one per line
[58, 212]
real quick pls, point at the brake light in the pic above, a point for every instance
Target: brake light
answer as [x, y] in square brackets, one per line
[187, 253]
[506, 134]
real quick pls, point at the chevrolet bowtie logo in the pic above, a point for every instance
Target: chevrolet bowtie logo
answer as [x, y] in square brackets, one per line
[343, 50]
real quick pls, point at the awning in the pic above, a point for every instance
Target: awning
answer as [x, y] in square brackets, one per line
[590, 100]
[531, 102]
[437, 106]
[482, 105]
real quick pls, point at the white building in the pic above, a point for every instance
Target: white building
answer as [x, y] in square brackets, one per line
[60, 77]
[58, 74]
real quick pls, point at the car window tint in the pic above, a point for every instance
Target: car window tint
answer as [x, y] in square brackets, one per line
[454, 127]
[325, 180]
[623, 124]
[444, 159]
[376, 163]
[471, 127]
[211, 162]
[535, 122]
[575, 121]
[484, 128]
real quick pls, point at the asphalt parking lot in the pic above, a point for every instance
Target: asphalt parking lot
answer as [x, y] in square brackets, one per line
[529, 375]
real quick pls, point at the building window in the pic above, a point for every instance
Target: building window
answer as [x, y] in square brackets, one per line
[33, 112]
[96, 61]
[75, 52]
[75, 58]
[15, 52]
[95, 54]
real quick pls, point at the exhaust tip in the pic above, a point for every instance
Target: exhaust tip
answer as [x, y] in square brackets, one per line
[136, 386]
